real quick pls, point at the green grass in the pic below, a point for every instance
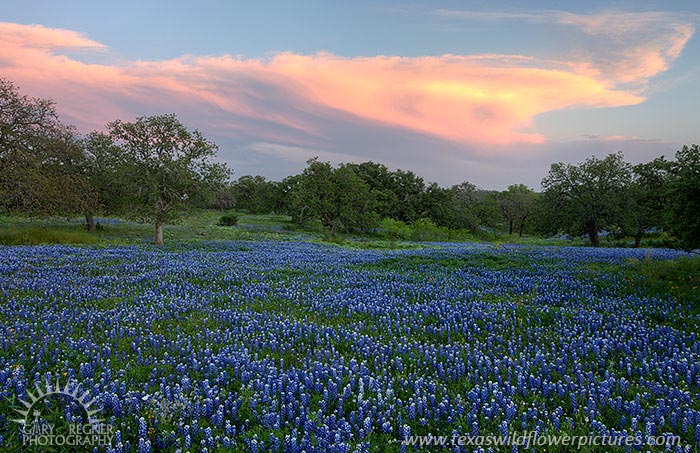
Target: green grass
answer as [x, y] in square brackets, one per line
[202, 224]
[364, 244]
[45, 235]
[678, 278]
[196, 225]
[476, 261]
[552, 241]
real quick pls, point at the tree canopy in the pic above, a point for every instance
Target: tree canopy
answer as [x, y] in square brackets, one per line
[37, 156]
[685, 197]
[589, 197]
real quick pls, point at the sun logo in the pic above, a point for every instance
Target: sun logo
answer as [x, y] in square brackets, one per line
[31, 410]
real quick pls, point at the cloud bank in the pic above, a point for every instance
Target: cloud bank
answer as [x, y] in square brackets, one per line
[294, 102]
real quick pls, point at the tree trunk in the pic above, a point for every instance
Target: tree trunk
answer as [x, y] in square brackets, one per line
[638, 239]
[521, 227]
[159, 232]
[510, 227]
[90, 222]
[593, 235]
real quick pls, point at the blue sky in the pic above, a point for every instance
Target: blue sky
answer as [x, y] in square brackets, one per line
[490, 92]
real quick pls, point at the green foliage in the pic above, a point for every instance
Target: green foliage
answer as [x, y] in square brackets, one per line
[440, 205]
[106, 171]
[647, 199]
[516, 205]
[228, 220]
[588, 197]
[425, 230]
[407, 189]
[354, 201]
[685, 197]
[338, 198]
[395, 230]
[39, 157]
[382, 185]
[256, 195]
[488, 214]
[467, 200]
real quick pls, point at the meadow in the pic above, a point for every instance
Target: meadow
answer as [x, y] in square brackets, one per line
[301, 346]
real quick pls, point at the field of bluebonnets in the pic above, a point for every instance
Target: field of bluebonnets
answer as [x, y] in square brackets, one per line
[273, 346]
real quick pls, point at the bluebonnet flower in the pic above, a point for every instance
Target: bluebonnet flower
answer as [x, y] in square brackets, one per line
[231, 342]
[144, 446]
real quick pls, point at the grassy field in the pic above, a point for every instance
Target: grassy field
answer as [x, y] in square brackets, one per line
[199, 225]
[202, 225]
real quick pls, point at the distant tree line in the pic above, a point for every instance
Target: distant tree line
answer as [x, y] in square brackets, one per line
[598, 195]
[357, 197]
[154, 168]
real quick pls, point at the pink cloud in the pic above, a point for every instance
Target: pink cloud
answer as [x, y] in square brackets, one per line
[485, 100]
[618, 138]
[40, 37]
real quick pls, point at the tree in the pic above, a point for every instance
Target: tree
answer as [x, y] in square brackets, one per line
[488, 214]
[23, 119]
[409, 190]
[254, 194]
[684, 197]
[381, 184]
[34, 146]
[588, 197]
[466, 199]
[355, 201]
[224, 198]
[338, 198]
[65, 162]
[312, 194]
[439, 205]
[516, 204]
[648, 198]
[166, 167]
[103, 165]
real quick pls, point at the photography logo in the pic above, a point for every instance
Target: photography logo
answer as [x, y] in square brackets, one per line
[37, 431]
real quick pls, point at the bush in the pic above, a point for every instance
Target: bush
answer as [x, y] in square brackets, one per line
[395, 230]
[425, 230]
[228, 220]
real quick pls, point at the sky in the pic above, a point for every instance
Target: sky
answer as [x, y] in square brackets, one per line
[490, 92]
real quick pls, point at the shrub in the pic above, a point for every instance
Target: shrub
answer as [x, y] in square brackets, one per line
[395, 230]
[228, 220]
[425, 230]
